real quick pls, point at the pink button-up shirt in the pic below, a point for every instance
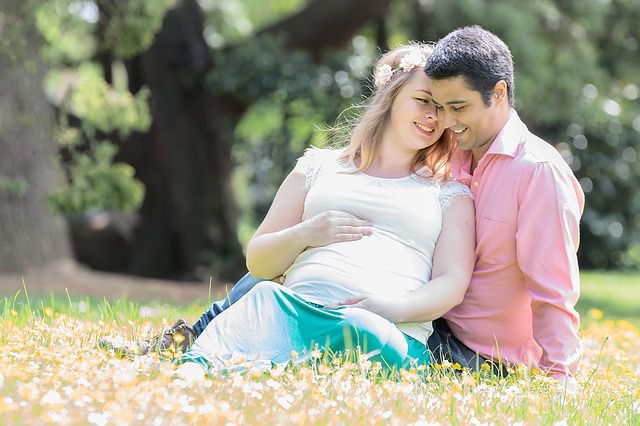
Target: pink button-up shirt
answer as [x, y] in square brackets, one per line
[520, 304]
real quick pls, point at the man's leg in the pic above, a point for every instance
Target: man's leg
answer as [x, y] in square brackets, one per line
[181, 335]
[239, 289]
[444, 346]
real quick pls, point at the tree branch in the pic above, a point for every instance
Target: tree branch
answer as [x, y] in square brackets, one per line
[327, 24]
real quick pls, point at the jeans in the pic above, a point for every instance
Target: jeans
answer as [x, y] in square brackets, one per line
[240, 288]
[443, 345]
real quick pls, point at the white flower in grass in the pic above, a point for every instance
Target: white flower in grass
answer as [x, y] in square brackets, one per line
[285, 401]
[52, 397]
[98, 419]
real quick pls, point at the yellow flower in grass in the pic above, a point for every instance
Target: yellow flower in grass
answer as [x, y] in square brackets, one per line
[446, 364]
[468, 380]
[596, 313]
[455, 387]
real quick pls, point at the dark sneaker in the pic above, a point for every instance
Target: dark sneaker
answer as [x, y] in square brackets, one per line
[180, 337]
[119, 346]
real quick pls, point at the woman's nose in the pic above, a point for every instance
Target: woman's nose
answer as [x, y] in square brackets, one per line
[431, 113]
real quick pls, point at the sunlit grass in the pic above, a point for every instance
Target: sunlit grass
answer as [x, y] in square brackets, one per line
[616, 295]
[52, 371]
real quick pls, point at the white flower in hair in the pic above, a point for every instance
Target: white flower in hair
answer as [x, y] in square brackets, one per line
[383, 75]
[411, 60]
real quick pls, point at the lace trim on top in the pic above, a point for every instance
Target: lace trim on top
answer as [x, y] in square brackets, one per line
[316, 161]
[450, 190]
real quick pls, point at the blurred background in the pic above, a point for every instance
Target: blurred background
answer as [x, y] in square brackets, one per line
[148, 137]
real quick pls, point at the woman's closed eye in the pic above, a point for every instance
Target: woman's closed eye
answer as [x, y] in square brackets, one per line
[426, 101]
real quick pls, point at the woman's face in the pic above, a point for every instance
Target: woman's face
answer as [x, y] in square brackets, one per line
[414, 123]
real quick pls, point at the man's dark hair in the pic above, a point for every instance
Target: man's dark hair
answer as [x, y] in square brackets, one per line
[475, 54]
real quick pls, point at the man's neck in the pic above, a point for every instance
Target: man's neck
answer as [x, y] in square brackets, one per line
[478, 154]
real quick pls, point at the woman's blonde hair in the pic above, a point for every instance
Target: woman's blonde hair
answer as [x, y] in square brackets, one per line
[367, 132]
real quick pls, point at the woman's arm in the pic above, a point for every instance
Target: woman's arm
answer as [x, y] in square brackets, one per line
[453, 263]
[282, 235]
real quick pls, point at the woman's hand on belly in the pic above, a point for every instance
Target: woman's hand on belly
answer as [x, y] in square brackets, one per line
[332, 227]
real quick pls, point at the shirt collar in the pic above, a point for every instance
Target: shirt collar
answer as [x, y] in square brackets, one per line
[507, 142]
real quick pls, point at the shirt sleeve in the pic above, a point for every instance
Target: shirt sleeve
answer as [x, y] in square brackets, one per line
[450, 190]
[314, 162]
[547, 239]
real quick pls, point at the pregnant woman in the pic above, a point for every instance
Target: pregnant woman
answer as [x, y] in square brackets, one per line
[358, 233]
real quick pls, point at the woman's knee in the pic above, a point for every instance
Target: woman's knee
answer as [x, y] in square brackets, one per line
[367, 322]
[265, 288]
[383, 340]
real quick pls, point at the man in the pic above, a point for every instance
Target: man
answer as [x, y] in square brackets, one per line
[519, 307]
[520, 303]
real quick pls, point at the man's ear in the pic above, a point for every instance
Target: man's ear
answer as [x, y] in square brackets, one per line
[500, 90]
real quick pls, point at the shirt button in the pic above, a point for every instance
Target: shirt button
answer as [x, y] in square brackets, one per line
[476, 184]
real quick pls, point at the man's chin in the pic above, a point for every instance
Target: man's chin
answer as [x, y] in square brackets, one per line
[463, 141]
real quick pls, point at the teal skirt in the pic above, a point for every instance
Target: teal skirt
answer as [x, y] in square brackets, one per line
[273, 325]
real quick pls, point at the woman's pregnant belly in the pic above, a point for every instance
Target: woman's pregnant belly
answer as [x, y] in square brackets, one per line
[376, 265]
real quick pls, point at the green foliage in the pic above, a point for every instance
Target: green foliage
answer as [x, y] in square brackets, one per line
[66, 27]
[601, 145]
[576, 85]
[94, 181]
[266, 65]
[292, 98]
[106, 109]
[17, 187]
[133, 25]
[97, 183]
[233, 20]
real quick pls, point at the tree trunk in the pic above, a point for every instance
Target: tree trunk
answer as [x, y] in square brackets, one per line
[188, 226]
[28, 168]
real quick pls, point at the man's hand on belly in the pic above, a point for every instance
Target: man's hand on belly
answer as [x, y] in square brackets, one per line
[387, 309]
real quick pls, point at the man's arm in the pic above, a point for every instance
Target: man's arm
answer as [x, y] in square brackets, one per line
[453, 262]
[547, 239]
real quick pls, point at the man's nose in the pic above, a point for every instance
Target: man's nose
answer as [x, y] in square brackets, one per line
[446, 118]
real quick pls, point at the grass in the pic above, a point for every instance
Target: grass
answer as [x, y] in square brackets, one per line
[615, 294]
[51, 371]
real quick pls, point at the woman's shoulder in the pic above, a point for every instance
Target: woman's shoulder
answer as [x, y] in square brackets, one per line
[321, 155]
[316, 161]
[450, 188]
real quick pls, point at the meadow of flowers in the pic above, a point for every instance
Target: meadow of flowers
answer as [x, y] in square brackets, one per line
[53, 371]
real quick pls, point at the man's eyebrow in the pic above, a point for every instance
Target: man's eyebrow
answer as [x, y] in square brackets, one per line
[456, 102]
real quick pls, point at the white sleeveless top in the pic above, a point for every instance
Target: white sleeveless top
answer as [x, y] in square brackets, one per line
[406, 215]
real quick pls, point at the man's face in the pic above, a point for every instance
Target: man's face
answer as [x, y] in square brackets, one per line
[462, 110]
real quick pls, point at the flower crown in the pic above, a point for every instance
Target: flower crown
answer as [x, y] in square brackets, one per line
[407, 63]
